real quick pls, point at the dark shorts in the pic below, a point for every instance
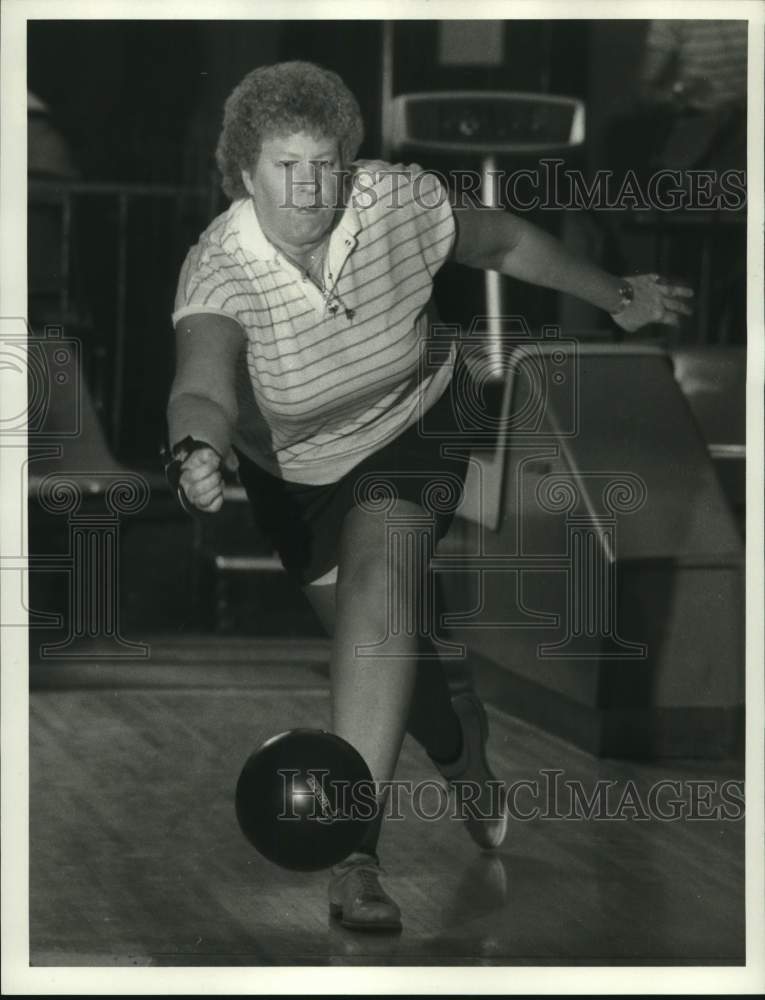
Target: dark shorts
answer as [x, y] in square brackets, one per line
[304, 522]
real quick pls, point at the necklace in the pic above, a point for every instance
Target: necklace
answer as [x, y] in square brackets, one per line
[313, 271]
[311, 265]
[315, 268]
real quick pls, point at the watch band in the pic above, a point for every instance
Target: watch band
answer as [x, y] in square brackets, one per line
[173, 459]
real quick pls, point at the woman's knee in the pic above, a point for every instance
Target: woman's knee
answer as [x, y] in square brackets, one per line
[376, 562]
[363, 578]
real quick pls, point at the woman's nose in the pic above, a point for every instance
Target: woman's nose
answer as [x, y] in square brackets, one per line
[308, 175]
[307, 185]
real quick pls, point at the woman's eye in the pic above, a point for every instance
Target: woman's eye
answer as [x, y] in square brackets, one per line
[287, 163]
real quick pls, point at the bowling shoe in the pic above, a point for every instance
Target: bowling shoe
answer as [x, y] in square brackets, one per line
[486, 821]
[356, 897]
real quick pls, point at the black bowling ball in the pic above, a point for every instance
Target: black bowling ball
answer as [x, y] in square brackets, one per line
[304, 799]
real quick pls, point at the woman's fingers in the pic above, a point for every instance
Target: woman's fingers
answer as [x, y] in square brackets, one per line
[676, 291]
[201, 459]
[676, 305]
[207, 498]
[674, 301]
[204, 489]
[210, 502]
[215, 505]
[670, 319]
[201, 480]
[205, 492]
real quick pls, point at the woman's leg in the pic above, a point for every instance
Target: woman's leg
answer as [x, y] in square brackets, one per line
[432, 720]
[374, 665]
[372, 676]
[376, 698]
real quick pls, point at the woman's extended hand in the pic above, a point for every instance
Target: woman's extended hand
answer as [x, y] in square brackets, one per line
[202, 481]
[656, 300]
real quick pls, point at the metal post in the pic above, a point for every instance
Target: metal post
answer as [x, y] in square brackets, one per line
[492, 279]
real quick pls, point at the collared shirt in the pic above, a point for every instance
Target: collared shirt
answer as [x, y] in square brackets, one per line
[326, 379]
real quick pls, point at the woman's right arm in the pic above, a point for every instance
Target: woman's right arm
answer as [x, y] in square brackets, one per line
[202, 402]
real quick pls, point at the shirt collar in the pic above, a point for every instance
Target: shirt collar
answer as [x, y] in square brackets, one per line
[254, 242]
[252, 239]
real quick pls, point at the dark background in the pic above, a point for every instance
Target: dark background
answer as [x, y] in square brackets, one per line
[140, 102]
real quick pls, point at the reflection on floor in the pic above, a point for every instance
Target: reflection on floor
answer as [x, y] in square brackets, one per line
[136, 857]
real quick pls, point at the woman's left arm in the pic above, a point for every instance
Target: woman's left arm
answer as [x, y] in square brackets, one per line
[497, 240]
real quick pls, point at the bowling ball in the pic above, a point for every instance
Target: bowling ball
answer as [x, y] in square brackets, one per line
[304, 799]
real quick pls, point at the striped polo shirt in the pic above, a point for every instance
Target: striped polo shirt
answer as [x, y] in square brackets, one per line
[326, 379]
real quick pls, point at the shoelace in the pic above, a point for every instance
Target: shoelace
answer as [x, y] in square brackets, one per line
[368, 875]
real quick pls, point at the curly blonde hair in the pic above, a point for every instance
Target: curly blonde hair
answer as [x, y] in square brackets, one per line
[280, 99]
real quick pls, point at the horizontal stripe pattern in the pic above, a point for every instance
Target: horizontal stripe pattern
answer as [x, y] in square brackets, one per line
[711, 57]
[319, 391]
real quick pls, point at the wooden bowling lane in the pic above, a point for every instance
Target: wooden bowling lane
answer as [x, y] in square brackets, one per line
[136, 857]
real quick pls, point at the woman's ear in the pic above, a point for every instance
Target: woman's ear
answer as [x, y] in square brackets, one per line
[247, 181]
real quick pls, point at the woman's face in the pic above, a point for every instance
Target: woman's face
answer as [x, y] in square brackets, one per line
[296, 186]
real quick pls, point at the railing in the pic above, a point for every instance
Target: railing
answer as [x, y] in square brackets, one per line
[192, 209]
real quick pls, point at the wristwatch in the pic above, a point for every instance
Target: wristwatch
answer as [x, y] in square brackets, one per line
[173, 459]
[626, 296]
